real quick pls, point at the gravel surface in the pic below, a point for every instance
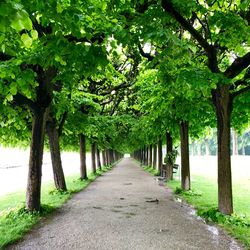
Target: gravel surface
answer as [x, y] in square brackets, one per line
[125, 208]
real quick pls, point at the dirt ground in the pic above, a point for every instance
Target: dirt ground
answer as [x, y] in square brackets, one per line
[125, 209]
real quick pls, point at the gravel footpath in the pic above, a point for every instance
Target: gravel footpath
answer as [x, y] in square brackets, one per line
[125, 208]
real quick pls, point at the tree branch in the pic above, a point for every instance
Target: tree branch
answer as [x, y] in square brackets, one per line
[239, 64]
[95, 39]
[238, 83]
[146, 55]
[61, 124]
[5, 57]
[240, 91]
[121, 86]
[22, 100]
[210, 50]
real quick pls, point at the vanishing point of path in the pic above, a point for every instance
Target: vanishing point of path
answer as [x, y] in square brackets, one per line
[120, 211]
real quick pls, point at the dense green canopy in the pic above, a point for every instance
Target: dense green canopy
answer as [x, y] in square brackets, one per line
[124, 72]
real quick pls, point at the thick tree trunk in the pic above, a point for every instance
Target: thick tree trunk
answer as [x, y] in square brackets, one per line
[83, 165]
[160, 155]
[235, 142]
[59, 178]
[223, 107]
[169, 141]
[93, 158]
[185, 169]
[33, 194]
[154, 156]
[98, 158]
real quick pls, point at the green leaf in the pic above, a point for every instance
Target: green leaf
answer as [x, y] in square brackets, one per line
[27, 41]
[21, 21]
[34, 34]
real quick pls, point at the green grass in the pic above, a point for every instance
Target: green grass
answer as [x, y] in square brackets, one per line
[151, 170]
[15, 221]
[203, 196]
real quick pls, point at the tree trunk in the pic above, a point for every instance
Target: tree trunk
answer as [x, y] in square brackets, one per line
[235, 142]
[185, 170]
[154, 156]
[199, 149]
[93, 159]
[33, 194]
[83, 165]
[53, 135]
[193, 149]
[169, 141]
[150, 160]
[104, 161]
[243, 150]
[160, 155]
[98, 158]
[111, 156]
[223, 106]
[107, 156]
[207, 147]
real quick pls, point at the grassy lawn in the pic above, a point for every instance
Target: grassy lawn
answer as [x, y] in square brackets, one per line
[15, 221]
[203, 196]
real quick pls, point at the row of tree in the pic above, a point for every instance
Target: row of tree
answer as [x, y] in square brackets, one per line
[125, 75]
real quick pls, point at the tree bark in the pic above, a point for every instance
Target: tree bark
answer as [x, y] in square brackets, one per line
[83, 165]
[147, 155]
[150, 160]
[154, 156]
[98, 158]
[160, 155]
[33, 194]
[169, 141]
[58, 173]
[223, 106]
[111, 156]
[185, 168]
[104, 161]
[93, 158]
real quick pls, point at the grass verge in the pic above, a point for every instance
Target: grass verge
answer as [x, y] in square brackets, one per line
[203, 197]
[15, 221]
[151, 170]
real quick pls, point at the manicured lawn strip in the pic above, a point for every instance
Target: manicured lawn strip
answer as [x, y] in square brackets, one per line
[203, 197]
[15, 221]
[151, 170]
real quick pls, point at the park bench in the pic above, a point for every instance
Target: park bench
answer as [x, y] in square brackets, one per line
[167, 171]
